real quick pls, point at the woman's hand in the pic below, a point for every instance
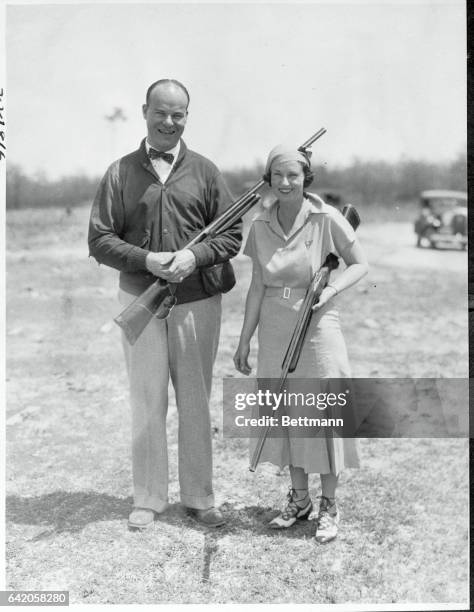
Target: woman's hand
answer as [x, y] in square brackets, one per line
[241, 358]
[326, 294]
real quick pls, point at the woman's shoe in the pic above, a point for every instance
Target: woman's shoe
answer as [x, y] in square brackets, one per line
[328, 520]
[293, 512]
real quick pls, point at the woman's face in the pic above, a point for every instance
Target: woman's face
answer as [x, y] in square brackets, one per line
[287, 180]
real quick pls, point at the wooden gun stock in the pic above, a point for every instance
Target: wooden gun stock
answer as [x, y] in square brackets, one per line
[295, 346]
[159, 298]
[136, 316]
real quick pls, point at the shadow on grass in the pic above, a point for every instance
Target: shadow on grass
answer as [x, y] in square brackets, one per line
[70, 512]
[63, 511]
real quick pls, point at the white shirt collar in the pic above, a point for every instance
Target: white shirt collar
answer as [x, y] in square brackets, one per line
[174, 151]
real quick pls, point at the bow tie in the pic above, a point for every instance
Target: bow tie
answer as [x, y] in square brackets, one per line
[154, 154]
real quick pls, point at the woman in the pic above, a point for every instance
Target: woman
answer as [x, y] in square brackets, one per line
[288, 243]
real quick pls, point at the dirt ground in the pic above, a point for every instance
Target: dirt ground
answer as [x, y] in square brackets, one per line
[68, 463]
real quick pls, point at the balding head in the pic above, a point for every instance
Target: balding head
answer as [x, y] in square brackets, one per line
[170, 83]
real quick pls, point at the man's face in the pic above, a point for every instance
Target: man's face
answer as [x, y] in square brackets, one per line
[165, 116]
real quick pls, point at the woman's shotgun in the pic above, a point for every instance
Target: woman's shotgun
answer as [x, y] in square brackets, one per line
[293, 352]
[160, 298]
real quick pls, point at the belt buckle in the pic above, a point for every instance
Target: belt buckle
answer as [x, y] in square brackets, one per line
[286, 293]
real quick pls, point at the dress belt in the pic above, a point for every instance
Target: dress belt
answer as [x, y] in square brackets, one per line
[285, 292]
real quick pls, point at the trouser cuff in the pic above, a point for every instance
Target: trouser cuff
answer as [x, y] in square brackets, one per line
[196, 502]
[150, 501]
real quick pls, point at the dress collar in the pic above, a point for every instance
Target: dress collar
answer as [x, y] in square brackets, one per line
[312, 204]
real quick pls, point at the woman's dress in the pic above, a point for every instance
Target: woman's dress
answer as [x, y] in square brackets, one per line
[286, 265]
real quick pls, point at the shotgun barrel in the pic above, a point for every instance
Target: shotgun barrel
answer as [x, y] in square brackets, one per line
[160, 298]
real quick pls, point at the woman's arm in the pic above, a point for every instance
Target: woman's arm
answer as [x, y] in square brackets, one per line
[253, 304]
[357, 268]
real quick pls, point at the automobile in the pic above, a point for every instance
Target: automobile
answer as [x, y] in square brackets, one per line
[442, 220]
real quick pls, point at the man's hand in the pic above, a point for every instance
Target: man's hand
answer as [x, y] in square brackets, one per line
[173, 267]
[156, 263]
[183, 264]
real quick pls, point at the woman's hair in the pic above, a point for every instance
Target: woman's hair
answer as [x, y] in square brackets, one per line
[308, 176]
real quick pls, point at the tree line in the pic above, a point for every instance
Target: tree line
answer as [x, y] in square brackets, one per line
[365, 183]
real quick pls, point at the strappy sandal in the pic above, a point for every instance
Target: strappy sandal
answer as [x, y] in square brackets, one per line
[328, 521]
[292, 512]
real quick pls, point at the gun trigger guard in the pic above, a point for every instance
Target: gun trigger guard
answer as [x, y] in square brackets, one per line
[166, 307]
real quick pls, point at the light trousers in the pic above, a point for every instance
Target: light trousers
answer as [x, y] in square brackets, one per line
[183, 346]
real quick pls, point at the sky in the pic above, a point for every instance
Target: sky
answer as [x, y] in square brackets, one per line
[386, 79]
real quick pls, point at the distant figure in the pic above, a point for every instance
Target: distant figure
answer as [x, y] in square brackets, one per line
[116, 115]
[288, 243]
[332, 199]
[149, 205]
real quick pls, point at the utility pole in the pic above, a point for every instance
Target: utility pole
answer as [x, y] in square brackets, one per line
[113, 118]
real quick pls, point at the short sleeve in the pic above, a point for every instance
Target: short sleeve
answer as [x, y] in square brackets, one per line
[342, 233]
[250, 248]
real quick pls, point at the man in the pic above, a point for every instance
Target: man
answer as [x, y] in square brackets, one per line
[150, 204]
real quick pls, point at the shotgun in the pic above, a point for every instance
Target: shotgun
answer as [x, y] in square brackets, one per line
[293, 352]
[159, 298]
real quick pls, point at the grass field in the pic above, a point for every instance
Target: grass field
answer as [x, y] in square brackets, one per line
[404, 530]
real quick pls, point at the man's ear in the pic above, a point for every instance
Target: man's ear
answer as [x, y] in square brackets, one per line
[144, 110]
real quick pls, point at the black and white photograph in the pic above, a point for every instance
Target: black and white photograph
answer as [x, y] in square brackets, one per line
[235, 346]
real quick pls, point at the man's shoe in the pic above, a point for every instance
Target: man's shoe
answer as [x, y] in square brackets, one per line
[328, 520]
[212, 517]
[141, 518]
[293, 512]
